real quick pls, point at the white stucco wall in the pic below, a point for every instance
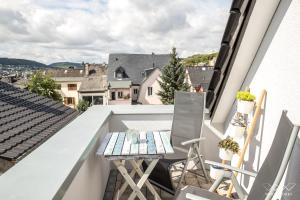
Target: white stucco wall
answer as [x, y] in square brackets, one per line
[276, 68]
[69, 93]
[152, 81]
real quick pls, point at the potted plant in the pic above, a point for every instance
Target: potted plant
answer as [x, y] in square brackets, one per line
[245, 102]
[228, 147]
[237, 127]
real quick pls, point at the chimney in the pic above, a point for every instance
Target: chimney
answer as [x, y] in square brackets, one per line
[86, 69]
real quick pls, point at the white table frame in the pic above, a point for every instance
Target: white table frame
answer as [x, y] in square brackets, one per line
[136, 187]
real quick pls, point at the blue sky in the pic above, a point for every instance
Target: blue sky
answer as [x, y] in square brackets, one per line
[88, 30]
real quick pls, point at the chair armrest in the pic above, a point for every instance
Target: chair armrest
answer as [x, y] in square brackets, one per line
[180, 149]
[192, 141]
[242, 171]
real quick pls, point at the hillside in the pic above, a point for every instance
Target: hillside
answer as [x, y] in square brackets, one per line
[14, 61]
[65, 65]
[199, 59]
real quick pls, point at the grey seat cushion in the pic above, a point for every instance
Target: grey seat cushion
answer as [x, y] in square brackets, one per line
[203, 194]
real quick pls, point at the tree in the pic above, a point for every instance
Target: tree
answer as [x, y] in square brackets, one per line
[82, 105]
[43, 85]
[172, 79]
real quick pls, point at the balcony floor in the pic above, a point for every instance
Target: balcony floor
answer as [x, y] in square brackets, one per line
[115, 181]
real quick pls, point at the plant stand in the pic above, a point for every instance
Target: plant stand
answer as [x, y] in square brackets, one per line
[250, 132]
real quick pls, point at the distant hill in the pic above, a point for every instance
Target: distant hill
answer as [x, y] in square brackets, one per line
[65, 65]
[199, 59]
[15, 61]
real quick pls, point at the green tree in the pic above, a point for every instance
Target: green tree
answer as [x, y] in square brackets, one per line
[43, 85]
[82, 105]
[172, 79]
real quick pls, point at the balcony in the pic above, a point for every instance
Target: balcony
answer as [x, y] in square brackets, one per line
[66, 165]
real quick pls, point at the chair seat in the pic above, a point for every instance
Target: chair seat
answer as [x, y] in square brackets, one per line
[195, 193]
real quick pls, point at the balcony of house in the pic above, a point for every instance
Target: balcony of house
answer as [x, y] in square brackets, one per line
[66, 166]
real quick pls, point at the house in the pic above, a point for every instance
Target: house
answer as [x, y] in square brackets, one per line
[126, 74]
[76, 84]
[150, 87]
[27, 120]
[259, 49]
[199, 77]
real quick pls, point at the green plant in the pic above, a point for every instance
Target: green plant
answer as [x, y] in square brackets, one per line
[127, 96]
[82, 105]
[43, 85]
[245, 96]
[238, 120]
[172, 79]
[229, 144]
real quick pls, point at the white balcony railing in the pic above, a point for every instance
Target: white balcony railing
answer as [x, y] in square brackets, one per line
[66, 167]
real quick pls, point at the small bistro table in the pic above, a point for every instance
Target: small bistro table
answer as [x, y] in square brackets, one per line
[150, 145]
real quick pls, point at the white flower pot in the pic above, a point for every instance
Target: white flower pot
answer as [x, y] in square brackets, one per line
[236, 131]
[215, 172]
[245, 107]
[225, 154]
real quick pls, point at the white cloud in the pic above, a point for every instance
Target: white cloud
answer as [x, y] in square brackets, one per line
[88, 30]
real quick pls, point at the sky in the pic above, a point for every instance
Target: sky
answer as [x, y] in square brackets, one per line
[88, 30]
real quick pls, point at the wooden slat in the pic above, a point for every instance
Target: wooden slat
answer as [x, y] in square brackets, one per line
[126, 146]
[119, 144]
[158, 143]
[134, 149]
[143, 146]
[104, 143]
[151, 144]
[110, 147]
[165, 137]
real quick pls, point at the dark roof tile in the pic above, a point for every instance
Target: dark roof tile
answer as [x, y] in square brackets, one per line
[27, 120]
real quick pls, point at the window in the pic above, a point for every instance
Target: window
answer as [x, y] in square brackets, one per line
[93, 100]
[88, 99]
[149, 91]
[72, 86]
[120, 73]
[135, 91]
[97, 100]
[120, 95]
[69, 100]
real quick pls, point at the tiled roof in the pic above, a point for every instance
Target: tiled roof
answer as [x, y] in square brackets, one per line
[65, 72]
[200, 76]
[135, 65]
[27, 120]
[92, 84]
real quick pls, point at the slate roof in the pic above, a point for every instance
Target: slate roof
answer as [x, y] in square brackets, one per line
[200, 76]
[27, 120]
[135, 65]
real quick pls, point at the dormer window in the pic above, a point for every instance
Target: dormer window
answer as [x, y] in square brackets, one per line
[120, 73]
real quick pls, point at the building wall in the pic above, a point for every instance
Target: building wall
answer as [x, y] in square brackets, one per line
[276, 69]
[135, 96]
[126, 91]
[152, 81]
[69, 93]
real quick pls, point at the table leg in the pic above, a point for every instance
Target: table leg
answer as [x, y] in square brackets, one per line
[144, 178]
[148, 184]
[125, 184]
[128, 179]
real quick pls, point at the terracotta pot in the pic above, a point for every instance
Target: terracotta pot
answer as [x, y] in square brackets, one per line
[245, 107]
[225, 154]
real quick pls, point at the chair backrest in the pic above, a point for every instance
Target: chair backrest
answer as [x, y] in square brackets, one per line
[273, 168]
[188, 116]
